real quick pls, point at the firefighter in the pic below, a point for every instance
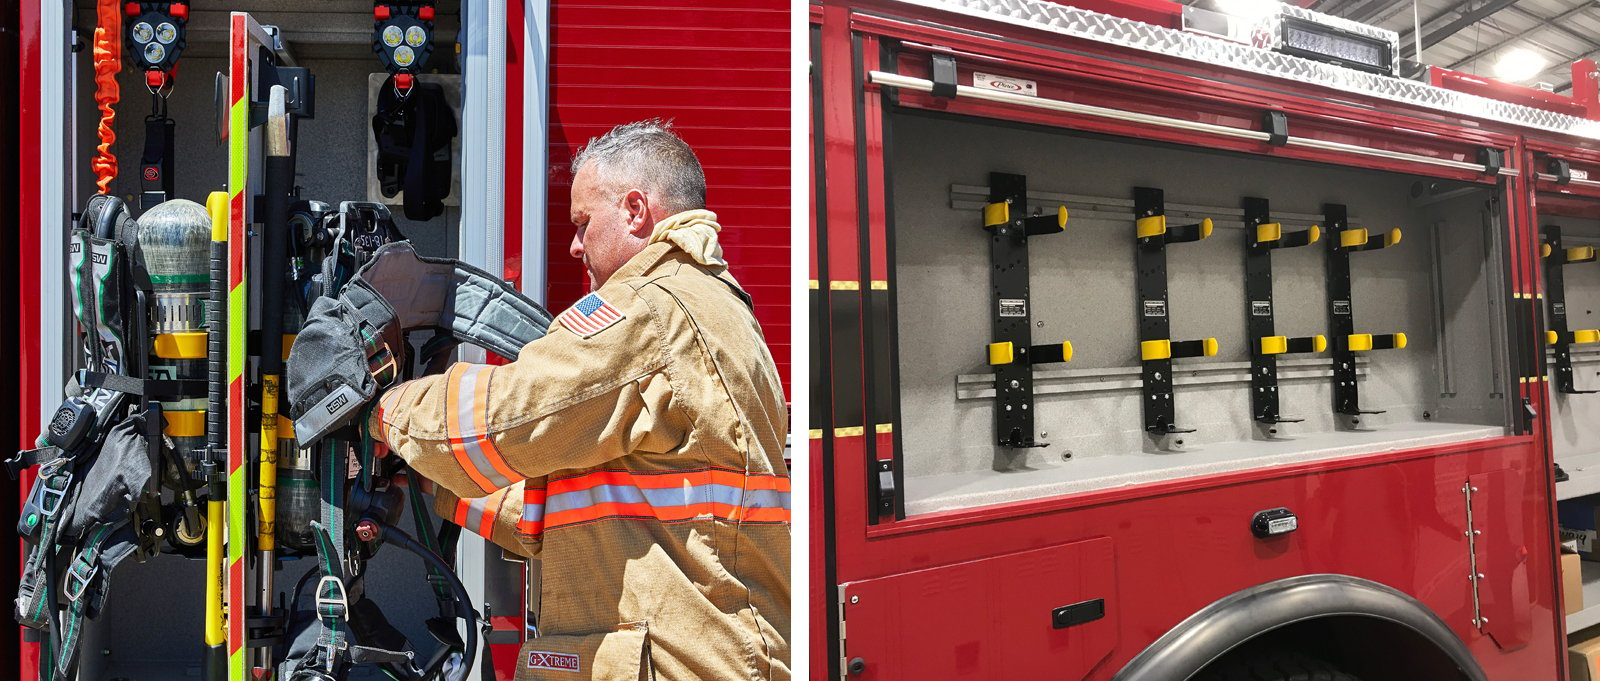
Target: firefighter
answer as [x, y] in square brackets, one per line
[635, 450]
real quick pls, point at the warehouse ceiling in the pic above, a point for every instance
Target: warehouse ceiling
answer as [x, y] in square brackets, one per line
[1474, 35]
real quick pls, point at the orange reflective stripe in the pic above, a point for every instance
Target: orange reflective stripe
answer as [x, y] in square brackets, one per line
[675, 496]
[486, 521]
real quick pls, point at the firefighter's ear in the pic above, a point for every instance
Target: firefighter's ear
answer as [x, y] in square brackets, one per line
[637, 203]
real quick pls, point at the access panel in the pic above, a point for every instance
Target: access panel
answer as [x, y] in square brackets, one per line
[1045, 613]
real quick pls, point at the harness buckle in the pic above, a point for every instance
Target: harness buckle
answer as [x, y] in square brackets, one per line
[326, 603]
[82, 571]
[44, 501]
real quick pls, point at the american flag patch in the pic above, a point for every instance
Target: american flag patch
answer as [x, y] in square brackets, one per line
[589, 316]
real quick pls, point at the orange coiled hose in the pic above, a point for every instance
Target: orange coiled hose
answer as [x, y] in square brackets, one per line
[107, 62]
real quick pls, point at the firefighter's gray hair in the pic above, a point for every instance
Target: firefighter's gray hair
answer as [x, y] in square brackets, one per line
[649, 155]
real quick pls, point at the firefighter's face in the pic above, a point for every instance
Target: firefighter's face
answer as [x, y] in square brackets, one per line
[613, 220]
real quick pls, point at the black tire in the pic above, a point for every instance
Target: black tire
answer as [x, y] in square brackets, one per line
[1274, 666]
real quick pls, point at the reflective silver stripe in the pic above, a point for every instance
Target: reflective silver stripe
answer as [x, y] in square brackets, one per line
[472, 431]
[475, 510]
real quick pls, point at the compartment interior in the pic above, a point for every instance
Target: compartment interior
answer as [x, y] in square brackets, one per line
[1575, 418]
[335, 158]
[1443, 286]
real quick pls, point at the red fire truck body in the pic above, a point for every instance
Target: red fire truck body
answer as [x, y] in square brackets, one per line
[1408, 562]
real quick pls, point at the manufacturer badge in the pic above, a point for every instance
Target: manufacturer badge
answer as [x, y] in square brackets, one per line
[1155, 308]
[1013, 307]
[1016, 86]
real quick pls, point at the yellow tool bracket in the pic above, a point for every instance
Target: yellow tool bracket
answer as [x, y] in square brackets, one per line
[1364, 342]
[1357, 239]
[1152, 226]
[1557, 255]
[1006, 353]
[1280, 345]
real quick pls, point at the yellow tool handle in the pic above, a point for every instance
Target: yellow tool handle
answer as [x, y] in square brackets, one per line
[266, 537]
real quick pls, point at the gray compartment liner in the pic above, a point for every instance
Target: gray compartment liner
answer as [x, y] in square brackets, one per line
[1448, 385]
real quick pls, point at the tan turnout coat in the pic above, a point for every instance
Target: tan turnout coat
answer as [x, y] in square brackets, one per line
[637, 452]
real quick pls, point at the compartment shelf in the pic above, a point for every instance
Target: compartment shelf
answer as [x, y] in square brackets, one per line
[953, 491]
[1583, 473]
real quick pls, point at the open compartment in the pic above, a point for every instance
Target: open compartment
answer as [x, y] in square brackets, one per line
[1570, 227]
[1442, 283]
[335, 161]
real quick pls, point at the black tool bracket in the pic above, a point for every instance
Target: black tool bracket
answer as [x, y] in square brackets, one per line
[1261, 237]
[1012, 353]
[1156, 347]
[1345, 342]
[1559, 336]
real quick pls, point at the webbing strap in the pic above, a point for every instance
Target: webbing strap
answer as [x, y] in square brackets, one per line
[81, 594]
[155, 166]
[332, 604]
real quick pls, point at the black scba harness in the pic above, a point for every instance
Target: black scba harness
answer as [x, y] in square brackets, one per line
[343, 628]
[97, 498]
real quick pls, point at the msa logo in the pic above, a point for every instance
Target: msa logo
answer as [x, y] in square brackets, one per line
[1013, 307]
[1341, 307]
[1155, 308]
[338, 402]
[1017, 86]
[62, 422]
[1261, 308]
[561, 662]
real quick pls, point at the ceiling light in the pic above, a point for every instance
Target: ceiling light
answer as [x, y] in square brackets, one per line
[1518, 65]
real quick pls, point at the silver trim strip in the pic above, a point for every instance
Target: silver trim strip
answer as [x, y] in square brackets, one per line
[1103, 28]
[921, 85]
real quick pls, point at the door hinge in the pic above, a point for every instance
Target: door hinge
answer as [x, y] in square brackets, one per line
[1474, 577]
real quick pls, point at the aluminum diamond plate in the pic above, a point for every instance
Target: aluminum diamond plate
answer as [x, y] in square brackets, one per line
[1104, 28]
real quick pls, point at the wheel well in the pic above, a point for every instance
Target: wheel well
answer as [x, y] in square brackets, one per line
[1369, 648]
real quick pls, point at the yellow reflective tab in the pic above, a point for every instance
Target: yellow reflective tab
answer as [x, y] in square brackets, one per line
[1577, 253]
[1319, 343]
[1360, 342]
[844, 285]
[1274, 345]
[852, 431]
[997, 214]
[1066, 352]
[880, 285]
[1352, 237]
[1000, 353]
[1269, 231]
[1586, 336]
[812, 284]
[1399, 341]
[1155, 225]
[186, 345]
[1205, 228]
[1155, 349]
[884, 428]
[1209, 347]
[184, 423]
[815, 433]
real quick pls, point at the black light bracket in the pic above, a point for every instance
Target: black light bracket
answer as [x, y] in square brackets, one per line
[1157, 350]
[1559, 337]
[1262, 236]
[1342, 241]
[402, 37]
[1012, 352]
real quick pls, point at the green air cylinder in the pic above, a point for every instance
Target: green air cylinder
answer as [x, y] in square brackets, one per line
[297, 492]
[174, 243]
